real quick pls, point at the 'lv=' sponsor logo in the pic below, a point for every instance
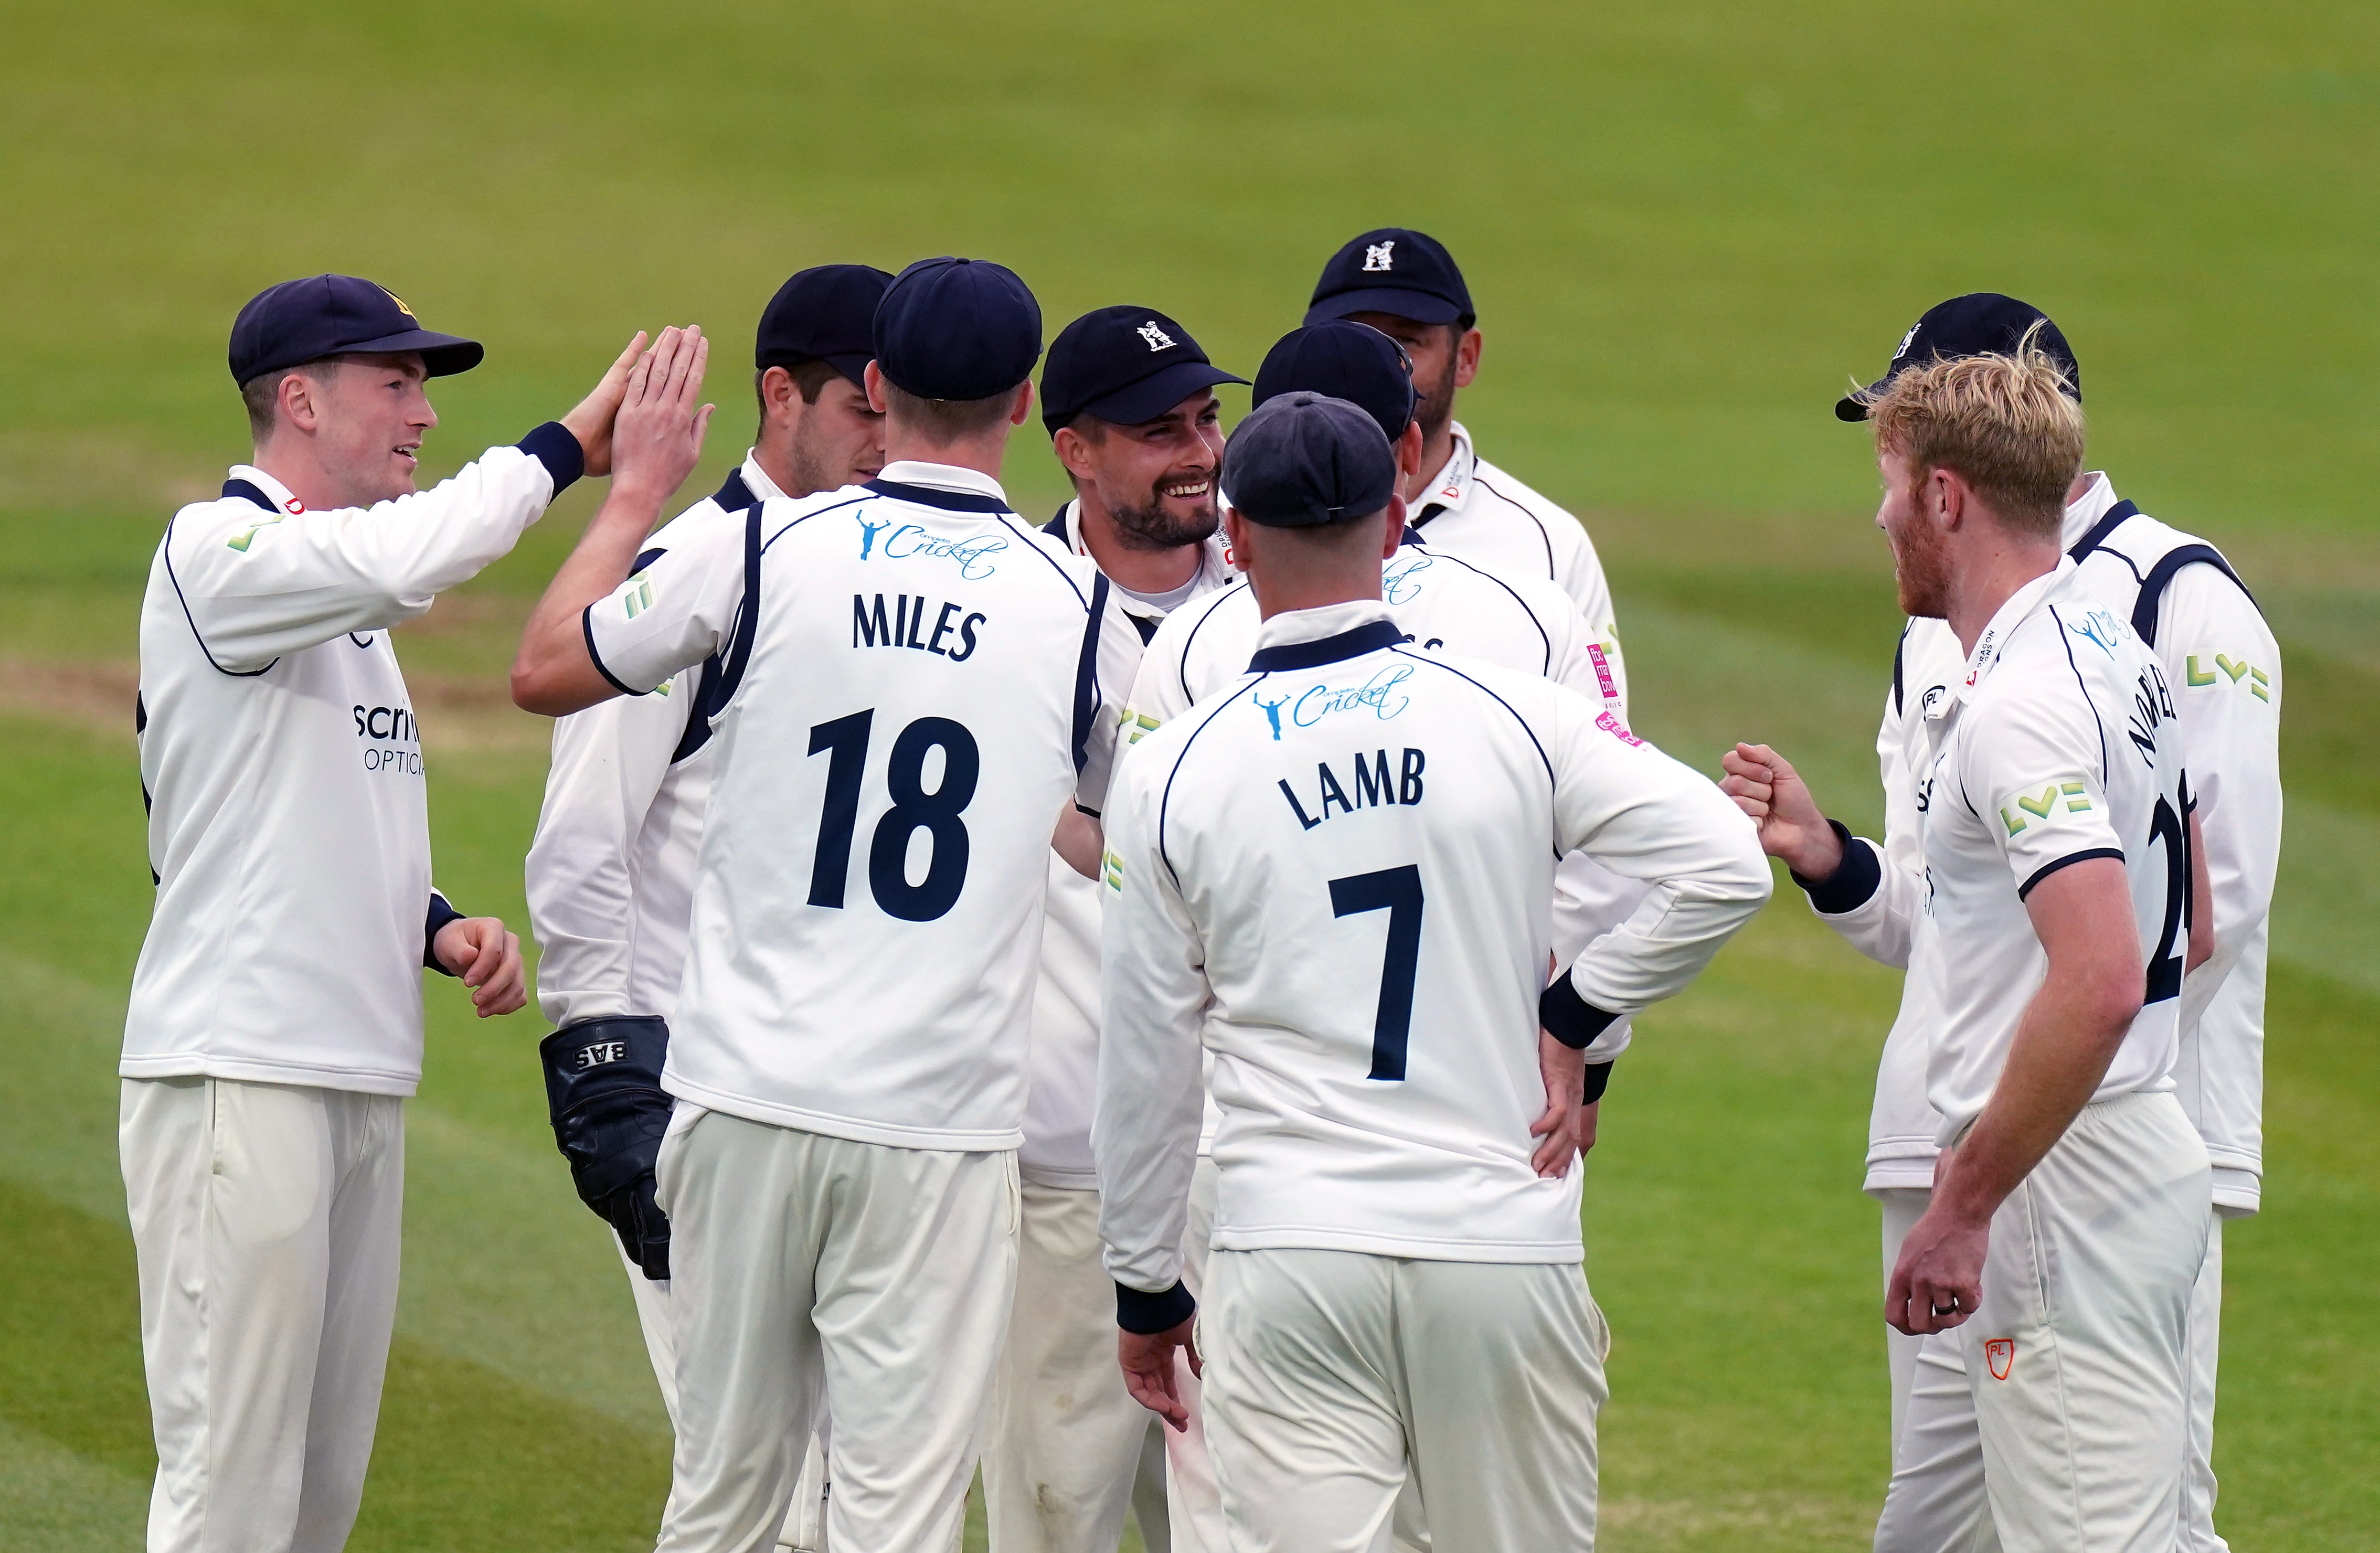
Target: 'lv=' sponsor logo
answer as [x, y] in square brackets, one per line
[2076, 798]
[595, 1054]
[1399, 582]
[2232, 669]
[2000, 1354]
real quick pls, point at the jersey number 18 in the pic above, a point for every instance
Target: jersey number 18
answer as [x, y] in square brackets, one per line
[844, 742]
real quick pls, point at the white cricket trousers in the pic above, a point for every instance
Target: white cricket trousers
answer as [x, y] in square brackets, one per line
[805, 1527]
[2075, 1408]
[1064, 1458]
[1334, 1375]
[265, 1218]
[812, 1274]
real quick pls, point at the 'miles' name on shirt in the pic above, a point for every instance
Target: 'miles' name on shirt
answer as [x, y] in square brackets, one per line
[903, 625]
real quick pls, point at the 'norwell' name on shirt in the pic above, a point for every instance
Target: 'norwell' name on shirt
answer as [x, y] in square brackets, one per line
[952, 636]
[1375, 784]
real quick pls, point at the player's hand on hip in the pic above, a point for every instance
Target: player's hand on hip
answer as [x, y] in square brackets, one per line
[657, 436]
[488, 959]
[1567, 1128]
[1765, 785]
[591, 422]
[1939, 1281]
[1147, 1360]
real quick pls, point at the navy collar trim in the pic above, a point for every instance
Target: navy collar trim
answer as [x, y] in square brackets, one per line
[1375, 636]
[2100, 531]
[1412, 536]
[733, 494]
[931, 496]
[248, 490]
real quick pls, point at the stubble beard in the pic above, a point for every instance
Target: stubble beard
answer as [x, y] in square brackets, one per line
[1435, 409]
[1152, 525]
[1922, 573]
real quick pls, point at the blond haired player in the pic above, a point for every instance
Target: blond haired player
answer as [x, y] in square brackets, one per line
[2068, 1221]
[2183, 599]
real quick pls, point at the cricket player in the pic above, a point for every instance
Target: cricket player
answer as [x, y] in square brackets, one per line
[921, 702]
[1442, 603]
[2048, 929]
[1334, 874]
[2222, 661]
[1405, 285]
[275, 1026]
[611, 874]
[1128, 397]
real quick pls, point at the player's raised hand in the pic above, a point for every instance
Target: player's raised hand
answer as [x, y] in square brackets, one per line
[1147, 1360]
[657, 436]
[478, 950]
[1765, 785]
[591, 422]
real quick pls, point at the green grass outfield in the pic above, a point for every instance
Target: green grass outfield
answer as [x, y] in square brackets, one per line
[1686, 227]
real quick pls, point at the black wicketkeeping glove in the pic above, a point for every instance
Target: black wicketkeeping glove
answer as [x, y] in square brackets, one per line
[603, 1090]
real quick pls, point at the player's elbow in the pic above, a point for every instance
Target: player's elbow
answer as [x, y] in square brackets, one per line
[544, 686]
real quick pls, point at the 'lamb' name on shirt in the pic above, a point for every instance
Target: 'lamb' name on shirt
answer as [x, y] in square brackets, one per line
[905, 626]
[1375, 785]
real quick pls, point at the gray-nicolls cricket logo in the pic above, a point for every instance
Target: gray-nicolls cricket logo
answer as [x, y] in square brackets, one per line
[1379, 257]
[597, 1053]
[1158, 338]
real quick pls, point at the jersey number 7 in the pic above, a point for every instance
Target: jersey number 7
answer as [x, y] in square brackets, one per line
[1398, 893]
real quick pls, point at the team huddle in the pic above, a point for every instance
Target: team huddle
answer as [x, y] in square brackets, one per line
[1116, 1001]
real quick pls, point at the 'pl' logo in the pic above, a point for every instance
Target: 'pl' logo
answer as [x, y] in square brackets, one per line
[1378, 257]
[1158, 338]
[2000, 1354]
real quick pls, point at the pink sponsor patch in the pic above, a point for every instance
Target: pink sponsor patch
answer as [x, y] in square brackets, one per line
[1618, 730]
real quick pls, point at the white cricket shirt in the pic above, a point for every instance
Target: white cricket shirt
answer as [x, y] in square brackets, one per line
[288, 826]
[2059, 744]
[2224, 669]
[1443, 604]
[611, 873]
[924, 682]
[1057, 1150]
[1475, 510]
[1334, 875]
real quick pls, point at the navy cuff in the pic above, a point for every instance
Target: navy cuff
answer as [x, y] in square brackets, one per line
[440, 914]
[553, 445]
[1146, 1314]
[1570, 1018]
[1598, 1079]
[1852, 883]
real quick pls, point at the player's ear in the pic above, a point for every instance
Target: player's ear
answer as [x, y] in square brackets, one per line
[1466, 358]
[876, 400]
[1395, 533]
[1023, 403]
[779, 392]
[300, 397]
[1409, 451]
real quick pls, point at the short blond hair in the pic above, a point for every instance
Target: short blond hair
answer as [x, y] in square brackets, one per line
[2009, 425]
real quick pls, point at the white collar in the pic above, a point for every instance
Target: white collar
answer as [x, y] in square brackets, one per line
[755, 478]
[941, 476]
[2004, 621]
[1451, 487]
[1325, 620]
[2086, 509]
[281, 496]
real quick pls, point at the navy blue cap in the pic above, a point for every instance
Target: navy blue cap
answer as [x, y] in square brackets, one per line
[298, 321]
[957, 328]
[1125, 364]
[1306, 459]
[827, 313]
[1346, 360]
[1980, 323]
[1395, 271]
